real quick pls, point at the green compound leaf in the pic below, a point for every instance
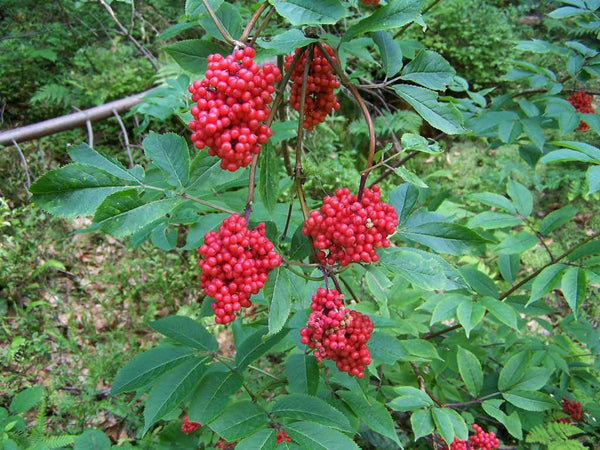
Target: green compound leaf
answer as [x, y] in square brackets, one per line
[393, 15]
[239, 420]
[309, 12]
[148, 366]
[306, 407]
[186, 331]
[170, 153]
[213, 393]
[530, 400]
[123, 213]
[75, 189]
[171, 389]
[443, 116]
[372, 413]
[470, 371]
[314, 436]
[429, 69]
[302, 372]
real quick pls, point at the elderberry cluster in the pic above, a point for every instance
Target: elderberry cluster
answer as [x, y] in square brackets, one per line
[222, 444]
[346, 230]
[572, 408]
[282, 436]
[321, 82]
[480, 441]
[337, 333]
[583, 104]
[369, 2]
[235, 263]
[188, 427]
[231, 101]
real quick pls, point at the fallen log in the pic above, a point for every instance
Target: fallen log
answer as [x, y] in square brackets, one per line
[51, 126]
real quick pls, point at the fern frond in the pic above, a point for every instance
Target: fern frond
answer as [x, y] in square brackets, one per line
[39, 427]
[53, 94]
[55, 442]
[555, 433]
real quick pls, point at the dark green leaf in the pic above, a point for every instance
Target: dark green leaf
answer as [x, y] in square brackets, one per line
[534, 131]
[446, 307]
[171, 389]
[443, 423]
[557, 219]
[196, 7]
[149, 366]
[205, 223]
[533, 379]
[573, 286]
[517, 243]
[307, 12]
[186, 331]
[385, 348]
[302, 372]
[509, 266]
[170, 153]
[444, 237]
[429, 69]
[255, 346]
[420, 348]
[545, 281]
[470, 371]
[390, 51]
[503, 312]
[261, 440]
[469, 314]
[239, 420]
[286, 42]
[489, 220]
[593, 179]
[495, 200]
[587, 149]
[230, 19]
[314, 436]
[513, 371]
[123, 213]
[75, 189]
[91, 440]
[371, 413]
[422, 423]
[393, 15]
[479, 281]
[307, 407]
[268, 180]
[213, 393]
[530, 400]
[443, 116]
[84, 154]
[403, 199]
[26, 399]
[409, 399]
[191, 54]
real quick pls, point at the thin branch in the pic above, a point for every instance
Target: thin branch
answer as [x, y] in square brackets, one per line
[218, 24]
[422, 386]
[261, 27]
[203, 202]
[24, 162]
[400, 163]
[125, 137]
[251, 187]
[252, 22]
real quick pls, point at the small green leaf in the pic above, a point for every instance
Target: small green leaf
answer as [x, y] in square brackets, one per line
[521, 197]
[372, 413]
[261, 440]
[314, 436]
[385, 348]
[469, 314]
[573, 286]
[503, 312]
[403, 199]
[197, 7]
[513, 371]
[509, 266]
[302, 372]
[557, 219]
[446, 307]
[429, 69]
[409, 399]
[546, 281]
[422, 423]
[92, 440]
[410, 177]
[390, 51]
[285, 43]
[495, 200]
[186, 331]
[171, 389]
[170, 153]
[593, 179]
[308, 12]
[26, 399]
[530, 400]
[277, 293]
[256, 345]
[588, 149]
[84, 154]
[443, 237]
[420, 348]
[306, 407]
[443, 423]
[490, 220]
[149, 366]
[469, 368]
[191, 54]
[479, 281]
[393, 15]
[268, 180]
[443, 116]
[239, 420]
[517, 243]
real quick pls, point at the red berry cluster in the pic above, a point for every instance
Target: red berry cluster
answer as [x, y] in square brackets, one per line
[582, 103]
[282, 436]
[338, 333]
[222, 444]
[480, 440]
[188, 427]
[369, 2]
[573, 409]
[235, 264]
[231, 101]
[346, 230]
[320, 99]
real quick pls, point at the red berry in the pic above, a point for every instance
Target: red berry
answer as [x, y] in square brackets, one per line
[188, 427]
[230, 102]
[582, 103]
[337, 333]
[369, 2]
[482, 440]
[345, 230]
[222, 444]
[235, 263]
[572, 408]
[320, 99]
[282, 436]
